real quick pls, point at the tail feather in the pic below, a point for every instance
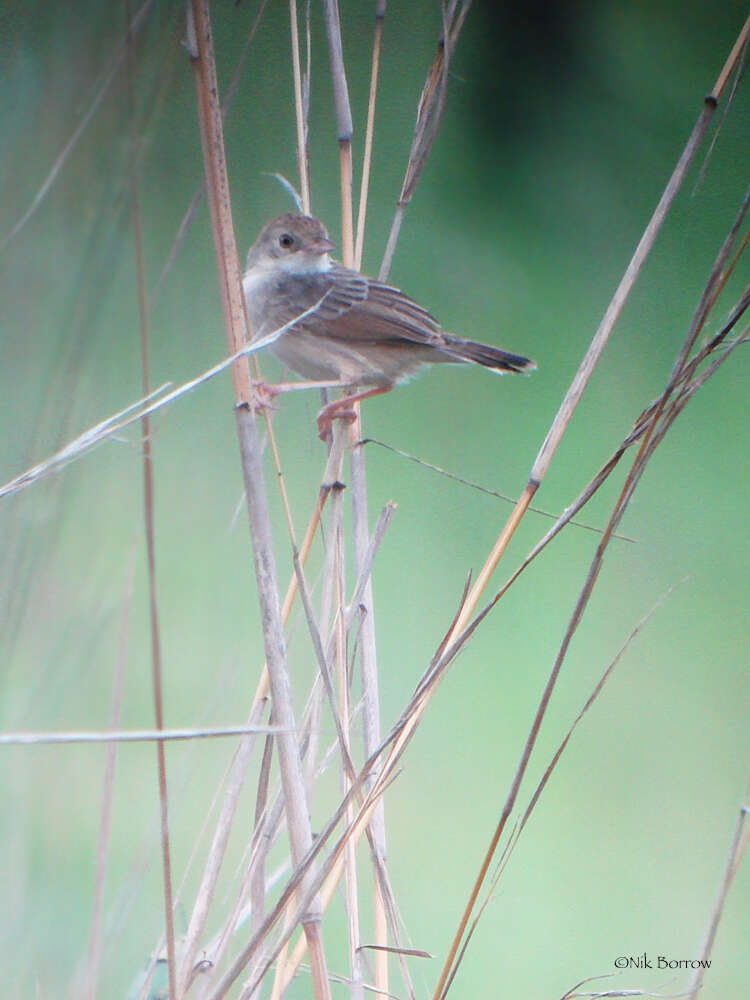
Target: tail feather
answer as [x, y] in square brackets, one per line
[487, 355]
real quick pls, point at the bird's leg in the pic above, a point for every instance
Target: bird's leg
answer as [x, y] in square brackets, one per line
[263, 395]
[293, 386]
[341, 409]
[265, 392]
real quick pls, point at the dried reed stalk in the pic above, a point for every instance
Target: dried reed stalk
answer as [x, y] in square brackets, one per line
[382, 901]
[368, 652]
[740, 840]
[298, 821]
[364, 188]
[303, 165]
[149, 526]
[191, 210]
[429, 113]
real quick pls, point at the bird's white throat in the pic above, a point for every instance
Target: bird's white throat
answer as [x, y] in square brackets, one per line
[254, 279]
[305, 263]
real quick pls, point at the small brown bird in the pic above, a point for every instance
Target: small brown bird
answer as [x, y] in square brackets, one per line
[359, 332]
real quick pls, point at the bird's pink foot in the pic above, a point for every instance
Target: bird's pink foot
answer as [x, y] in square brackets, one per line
[263, 395]
[339, 409]
[342, 409]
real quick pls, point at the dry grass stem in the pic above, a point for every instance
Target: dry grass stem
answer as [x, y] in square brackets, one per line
[339, 706]
[574, 992]
[298, 821]
[256, 874]
[369, 133]
[81, 444]
[131, 735]
[216, 853]
[344, 127]
[221, 789]
[370, 988]
[483, 489]
[190, 212]
[268, 826]
[149, 524]
[365, 564]
[383, 904]
[740, 839]
[323, 666]
[300, 116]
[429, 112]
[247, 904]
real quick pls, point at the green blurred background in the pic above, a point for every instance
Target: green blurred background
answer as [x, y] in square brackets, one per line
[563, 123]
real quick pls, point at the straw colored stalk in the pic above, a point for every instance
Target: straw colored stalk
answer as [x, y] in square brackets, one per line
[382, 901]
[298, 822]
[344, 132]
[429, 113]
[737, 848]
[149, 523]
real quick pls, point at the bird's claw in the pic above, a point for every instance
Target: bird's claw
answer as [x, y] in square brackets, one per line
[263, 395]
[334, 411]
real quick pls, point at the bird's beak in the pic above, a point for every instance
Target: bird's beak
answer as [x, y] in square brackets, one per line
[321, 246]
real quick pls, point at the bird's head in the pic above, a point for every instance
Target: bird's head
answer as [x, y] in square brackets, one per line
[295, 243]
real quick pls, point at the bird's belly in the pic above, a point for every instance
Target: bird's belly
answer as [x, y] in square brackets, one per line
[306, 356]
[317, 357]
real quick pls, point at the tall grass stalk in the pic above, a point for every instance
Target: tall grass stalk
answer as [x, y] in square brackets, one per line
[297, 813]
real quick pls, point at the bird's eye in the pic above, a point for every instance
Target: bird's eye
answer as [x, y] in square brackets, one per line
[286, 240]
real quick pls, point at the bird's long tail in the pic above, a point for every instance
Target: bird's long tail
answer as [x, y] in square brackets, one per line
[487, 355]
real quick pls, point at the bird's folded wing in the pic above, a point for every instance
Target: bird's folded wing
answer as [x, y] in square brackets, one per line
[355, 308]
